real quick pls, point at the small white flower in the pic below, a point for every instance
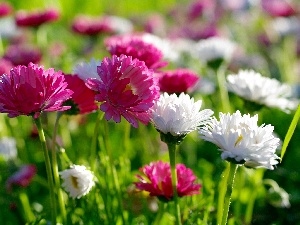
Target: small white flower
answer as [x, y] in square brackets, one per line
[178, 115]
[254, 87]
[119, 25]
[77, 180]
[215, 48]
[240, 139]
[87, 70]
[8, 149]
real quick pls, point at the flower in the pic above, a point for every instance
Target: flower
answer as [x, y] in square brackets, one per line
[252, 86]
[241, 140]
[135, 46]
[126, 87]
[177, 81]
[32, 90]
[83, 98]
[278, 8]
[5, 9]
[37, 18]
[156, 179]
[22, 177]
[77, 180]
[215, 48]
[8, 149]
[87, 70]
[22, 54]
[178, 115]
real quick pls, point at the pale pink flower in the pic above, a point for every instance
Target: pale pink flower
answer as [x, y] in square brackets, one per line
[156, 179]
[278, 8]
[126, 88]
[177, 81]
[134, 45]
[32, 90]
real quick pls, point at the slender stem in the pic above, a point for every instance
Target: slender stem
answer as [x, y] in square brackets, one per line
[55, 171]
[172, 156]
[223, 89]
[93, 156]
[222, 190]
[48, 169]
[113, 172]
[230, 181]
[28, 214]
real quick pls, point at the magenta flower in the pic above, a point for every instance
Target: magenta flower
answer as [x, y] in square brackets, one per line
[37, 18]
[32, 90]
[22, 54]
[156, 179]
[177, 81]
[126, 88]
[83, 98]
[278, 8]
[135, 46]
[22, 177]
[5, 9]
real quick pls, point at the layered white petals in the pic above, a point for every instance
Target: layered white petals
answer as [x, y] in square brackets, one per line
[178, 115]
[238, 137]
[86, 70]
[77, 180]
[262, 90]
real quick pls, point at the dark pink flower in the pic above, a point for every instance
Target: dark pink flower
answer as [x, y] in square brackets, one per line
[83, 98]
[197, 7]
[126, 88]
[156, 179]
[134, 45]
[88, 25]
[22, 177]
[32, 90]
[5, 9]
[177, 81]
[22, 54]
[5, 66]
[278, 8]
[36, 18]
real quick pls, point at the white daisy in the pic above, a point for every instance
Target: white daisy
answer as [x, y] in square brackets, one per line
[241, 140]
[215, 48]
[77, 180]
[86, 70]
[178, 115]
[119, 25]
[8, 149]
[254, 87]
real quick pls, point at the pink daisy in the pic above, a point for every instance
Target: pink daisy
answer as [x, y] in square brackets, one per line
[177, 81]
[5, 9]
[278, 8]
[32, 90]
[135, 46]
[156, 179]
[126, 88]
[37, 18]
[83, 98]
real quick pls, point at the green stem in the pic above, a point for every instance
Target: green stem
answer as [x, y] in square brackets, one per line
[113, 172]
[221, 194]
[93, 157]
[172, 156]
[28, 214]
[230, 180]
[223, 89]
[162, 207]
[55, 172]
[48, 169]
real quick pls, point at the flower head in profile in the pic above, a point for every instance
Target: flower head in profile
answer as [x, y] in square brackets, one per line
[30, 90]
[156, 179]
[261, 90]
[176, 116]
[242, 141]
[278, 8]
[36, 18]
[177, 81]
[77, 181]
[83, 98]
[22, 177]
[86, 70]
[125, 87]
[8, 148]
[134, 46]
[5, 9]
